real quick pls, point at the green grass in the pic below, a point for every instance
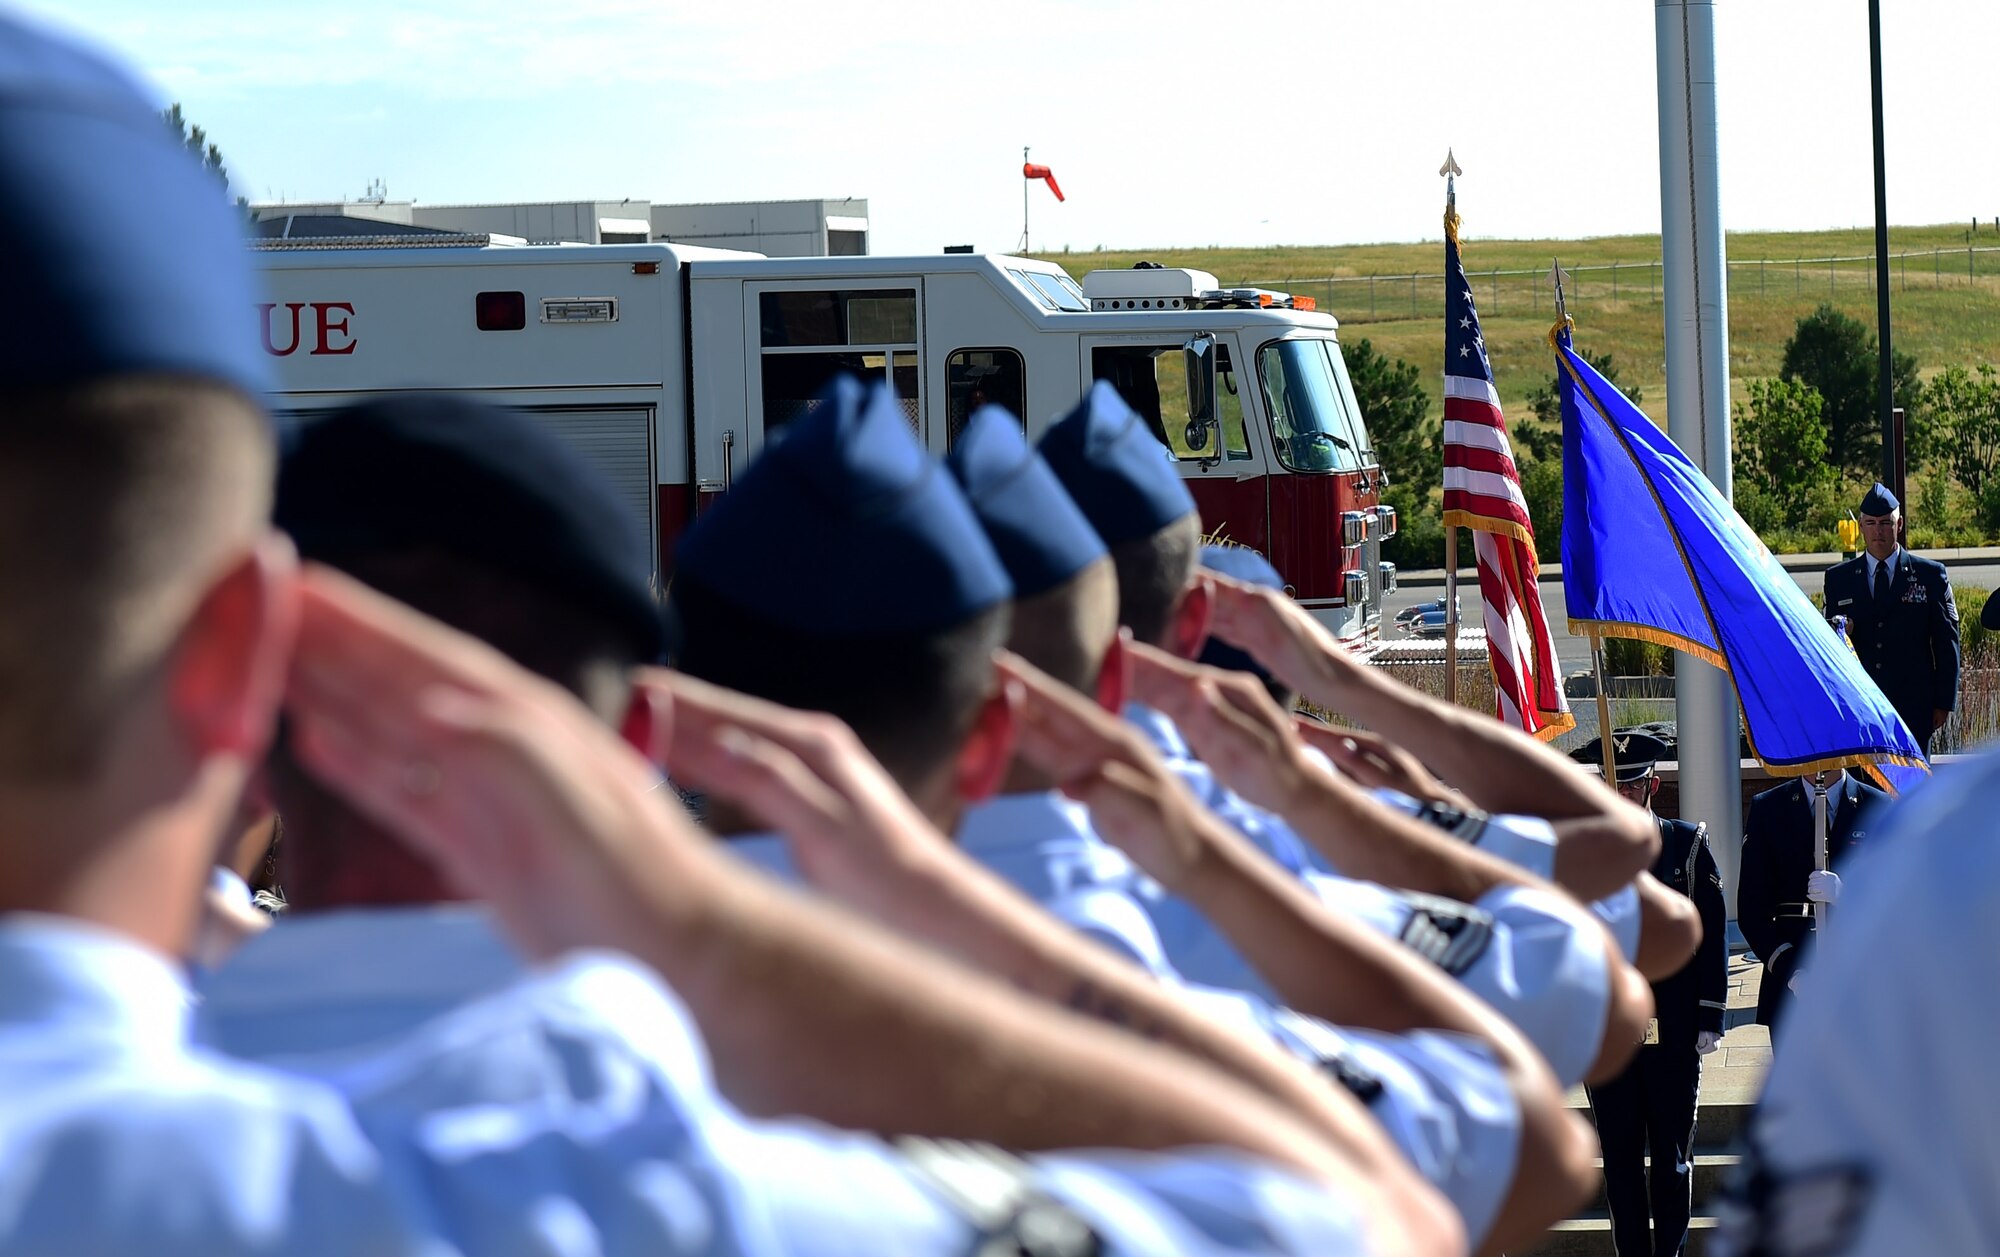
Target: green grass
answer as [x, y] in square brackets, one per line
[1942, 316]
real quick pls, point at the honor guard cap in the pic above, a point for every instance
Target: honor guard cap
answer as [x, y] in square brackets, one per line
[1251, 568]
[1117, 472]
[846, 527]
[1879, 501]
[1040, 535]
[1633, 753]
[479, 483]
[122, 254]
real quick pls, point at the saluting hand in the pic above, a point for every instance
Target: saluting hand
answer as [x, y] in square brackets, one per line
[500, 778]
[853, 833]
[1277, 632]
[1232, 724]
[1136, 803]
[1374, 762]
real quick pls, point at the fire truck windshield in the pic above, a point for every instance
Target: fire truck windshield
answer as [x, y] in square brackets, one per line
[1315, 423]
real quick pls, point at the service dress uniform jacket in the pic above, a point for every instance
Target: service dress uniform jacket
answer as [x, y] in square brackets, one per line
[1650, 1107]
[1908, 641]
[1771, 905]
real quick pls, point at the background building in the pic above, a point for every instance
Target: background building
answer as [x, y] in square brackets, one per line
[774, 228]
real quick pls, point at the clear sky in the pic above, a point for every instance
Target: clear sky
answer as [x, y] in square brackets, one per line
[1167, 123]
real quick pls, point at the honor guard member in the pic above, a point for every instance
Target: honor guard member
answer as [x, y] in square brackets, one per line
[1875, 1136]
[1782, 882]
[1901, 618]
[1650, 1108]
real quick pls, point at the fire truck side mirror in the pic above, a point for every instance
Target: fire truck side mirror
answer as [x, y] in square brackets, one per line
[1200, 354]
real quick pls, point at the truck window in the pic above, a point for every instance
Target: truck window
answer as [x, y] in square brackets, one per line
[794, 383]
[810, 336]
[1311, 425]
[879, 316]
[977, 377]
[1153, 381]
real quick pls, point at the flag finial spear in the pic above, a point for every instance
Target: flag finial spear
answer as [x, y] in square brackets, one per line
[1450, 170]
[1563, 324]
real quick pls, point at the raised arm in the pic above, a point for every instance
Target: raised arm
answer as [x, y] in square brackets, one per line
[1603, 842]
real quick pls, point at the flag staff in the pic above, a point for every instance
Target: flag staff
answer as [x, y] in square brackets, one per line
[1024, 198]
[1605, 711]
[1450, 170]
[1596, 638]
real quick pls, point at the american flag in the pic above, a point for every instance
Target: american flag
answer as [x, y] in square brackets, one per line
[1482, 492]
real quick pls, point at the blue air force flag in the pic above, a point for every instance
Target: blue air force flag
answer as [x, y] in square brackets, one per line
[1651, 550]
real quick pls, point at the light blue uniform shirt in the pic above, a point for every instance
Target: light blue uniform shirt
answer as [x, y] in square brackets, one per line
[571, 1111]
[1877, 1133]
[1534, 955]
[115, 1138]
[1441, 1097]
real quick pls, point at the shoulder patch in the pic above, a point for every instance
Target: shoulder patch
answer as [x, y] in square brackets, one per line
[1361, 1082]
[1449, 934]
[1466, 824]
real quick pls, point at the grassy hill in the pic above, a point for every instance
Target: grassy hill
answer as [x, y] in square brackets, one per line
[1946, 299]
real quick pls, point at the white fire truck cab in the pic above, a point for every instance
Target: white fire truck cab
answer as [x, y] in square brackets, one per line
[671, 366]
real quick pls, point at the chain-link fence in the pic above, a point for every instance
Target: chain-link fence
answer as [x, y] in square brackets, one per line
[1378, 298]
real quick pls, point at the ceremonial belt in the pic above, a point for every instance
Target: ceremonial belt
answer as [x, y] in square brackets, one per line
[994, 1193]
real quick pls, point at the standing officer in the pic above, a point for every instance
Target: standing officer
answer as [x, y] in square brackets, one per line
[1651, 1106]
[1779, 883]
[1901, 618]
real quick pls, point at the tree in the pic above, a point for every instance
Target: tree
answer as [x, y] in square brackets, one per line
[1964, 412]
[1780, 456]
[1397, 412]
[1837, 356]
[1544, 439]
[197, 142]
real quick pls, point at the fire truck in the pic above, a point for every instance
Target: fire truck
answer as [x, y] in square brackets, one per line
[670, 367]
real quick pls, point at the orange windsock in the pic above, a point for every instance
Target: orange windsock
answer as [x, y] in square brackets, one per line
[1032, 170]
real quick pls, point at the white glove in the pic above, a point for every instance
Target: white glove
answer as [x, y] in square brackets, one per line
[1823, 886]
[1707, 1041]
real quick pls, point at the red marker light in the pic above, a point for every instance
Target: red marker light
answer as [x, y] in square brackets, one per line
[500, 311]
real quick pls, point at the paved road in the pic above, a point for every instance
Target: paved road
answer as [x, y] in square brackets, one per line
[1573, 653]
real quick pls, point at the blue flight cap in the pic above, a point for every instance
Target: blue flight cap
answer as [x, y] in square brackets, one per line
[1120, 475]
[845, 527]
[121, 253]
[1879, 501]
[1251, 568]
[476, 482]
[1041, 536]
